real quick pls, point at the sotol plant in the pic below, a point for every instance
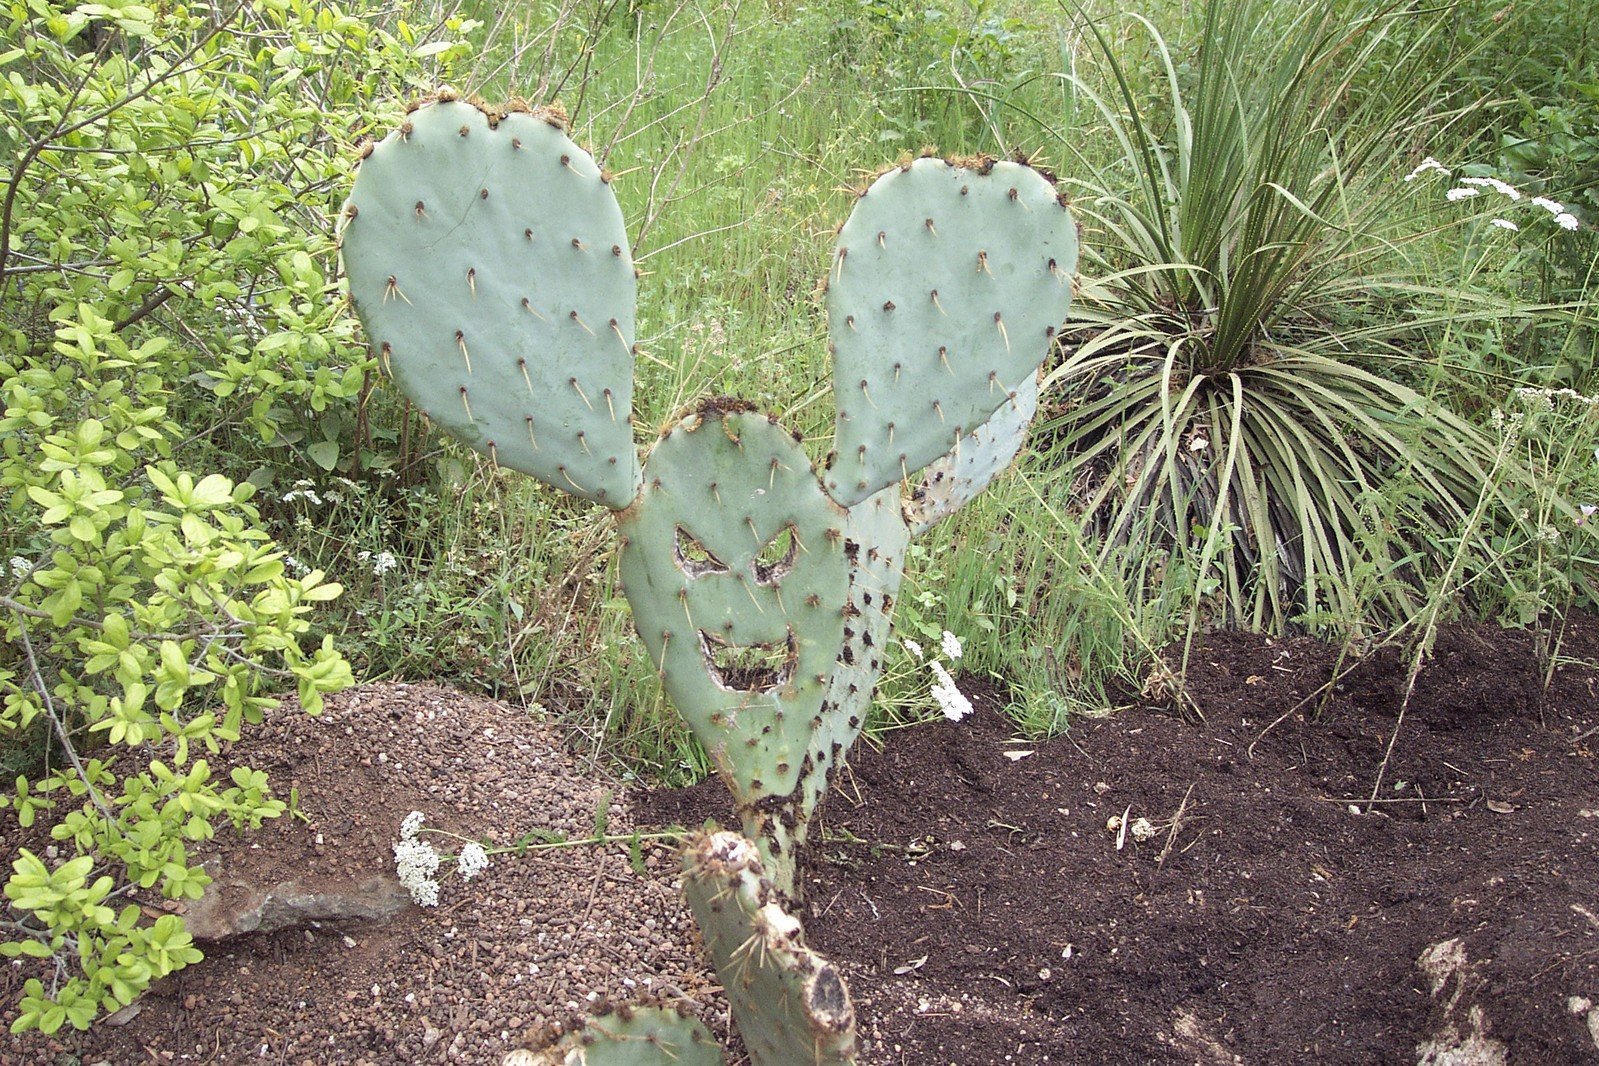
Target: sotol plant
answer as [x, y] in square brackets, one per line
[489, 263]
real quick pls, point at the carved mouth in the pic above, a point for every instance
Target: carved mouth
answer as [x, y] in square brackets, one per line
[749, 667]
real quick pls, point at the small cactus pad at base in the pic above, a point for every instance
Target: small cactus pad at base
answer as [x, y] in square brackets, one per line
[789, 1004]
[489, 264]
[733, 561]
[630, 1036]
[980, 456]
[947, 286]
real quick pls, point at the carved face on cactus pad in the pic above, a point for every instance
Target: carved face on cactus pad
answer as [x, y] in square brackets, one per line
[733, 561]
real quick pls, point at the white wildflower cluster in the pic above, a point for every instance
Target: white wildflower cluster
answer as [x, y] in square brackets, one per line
[381, 563]
[950, 699]
[417, 862]
[472, 861]
[1544, 399]
[1468, 187]
[302, 490]
[20, 567]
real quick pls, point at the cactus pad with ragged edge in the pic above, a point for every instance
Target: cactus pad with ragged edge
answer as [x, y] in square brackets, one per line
[489, 264]
[790, 1005]
[631, 1036]
[947, 285]
[733, 561]
[982, 455]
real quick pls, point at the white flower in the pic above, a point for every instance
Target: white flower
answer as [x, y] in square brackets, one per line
[1425, 165]
[20, 567]
[1554, 207]
[1565, 220]
[951, 644]
[911, 646]
[416, 862]
[472, 861]
[1502, 187]
[1504, 223]
[412, 825]
[1460, 194]
[949, 697]
[382, 562]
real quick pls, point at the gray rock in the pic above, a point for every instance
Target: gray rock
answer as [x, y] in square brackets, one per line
[233, 906]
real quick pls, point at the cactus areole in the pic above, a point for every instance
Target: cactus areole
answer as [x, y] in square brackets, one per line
[489, 264]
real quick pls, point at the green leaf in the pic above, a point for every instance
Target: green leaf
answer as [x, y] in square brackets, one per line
[325, 453]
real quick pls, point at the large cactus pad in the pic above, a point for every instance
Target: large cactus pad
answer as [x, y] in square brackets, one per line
[733, 561]
[948, 283]
[488, 261]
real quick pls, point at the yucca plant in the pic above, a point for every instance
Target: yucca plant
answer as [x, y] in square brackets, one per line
[1235, 391]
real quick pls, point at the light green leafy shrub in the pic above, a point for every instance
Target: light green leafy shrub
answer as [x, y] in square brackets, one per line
[164, 311]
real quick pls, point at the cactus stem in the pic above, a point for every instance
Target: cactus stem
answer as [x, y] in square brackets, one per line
[527, 305]
[573, 382]
[575, 318]
[468, 406]
[930, 227]
[1000, 322]
[866, 393]
[531, 438]
[982, 264]
[939, 305]
[471, 280]
[582, 440]
[943, 357]
[460, 342]
[568, 477]
[610, 404]
[939, 408]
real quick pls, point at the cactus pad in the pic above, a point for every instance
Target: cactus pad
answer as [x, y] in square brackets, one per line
[631, 1036]
[488, 262]
[948, 283]
[976, 460]
[790, 1005]
[733, 561]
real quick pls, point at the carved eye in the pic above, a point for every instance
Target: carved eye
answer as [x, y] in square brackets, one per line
[776, 557]
[693, 558]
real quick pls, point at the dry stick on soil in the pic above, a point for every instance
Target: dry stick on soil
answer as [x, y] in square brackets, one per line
[1176, 823]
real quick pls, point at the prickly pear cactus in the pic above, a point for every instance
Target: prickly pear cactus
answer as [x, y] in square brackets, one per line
[630, 1036]
[487, 258]
[790, 1005]
[488, 261]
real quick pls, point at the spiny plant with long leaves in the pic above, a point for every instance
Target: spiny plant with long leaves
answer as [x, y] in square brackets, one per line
[1227, 398]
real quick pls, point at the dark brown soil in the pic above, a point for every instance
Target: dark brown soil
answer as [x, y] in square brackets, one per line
[992, 900]
[986, 911]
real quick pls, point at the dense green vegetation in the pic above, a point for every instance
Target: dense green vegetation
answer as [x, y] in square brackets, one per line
[1315, 382]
